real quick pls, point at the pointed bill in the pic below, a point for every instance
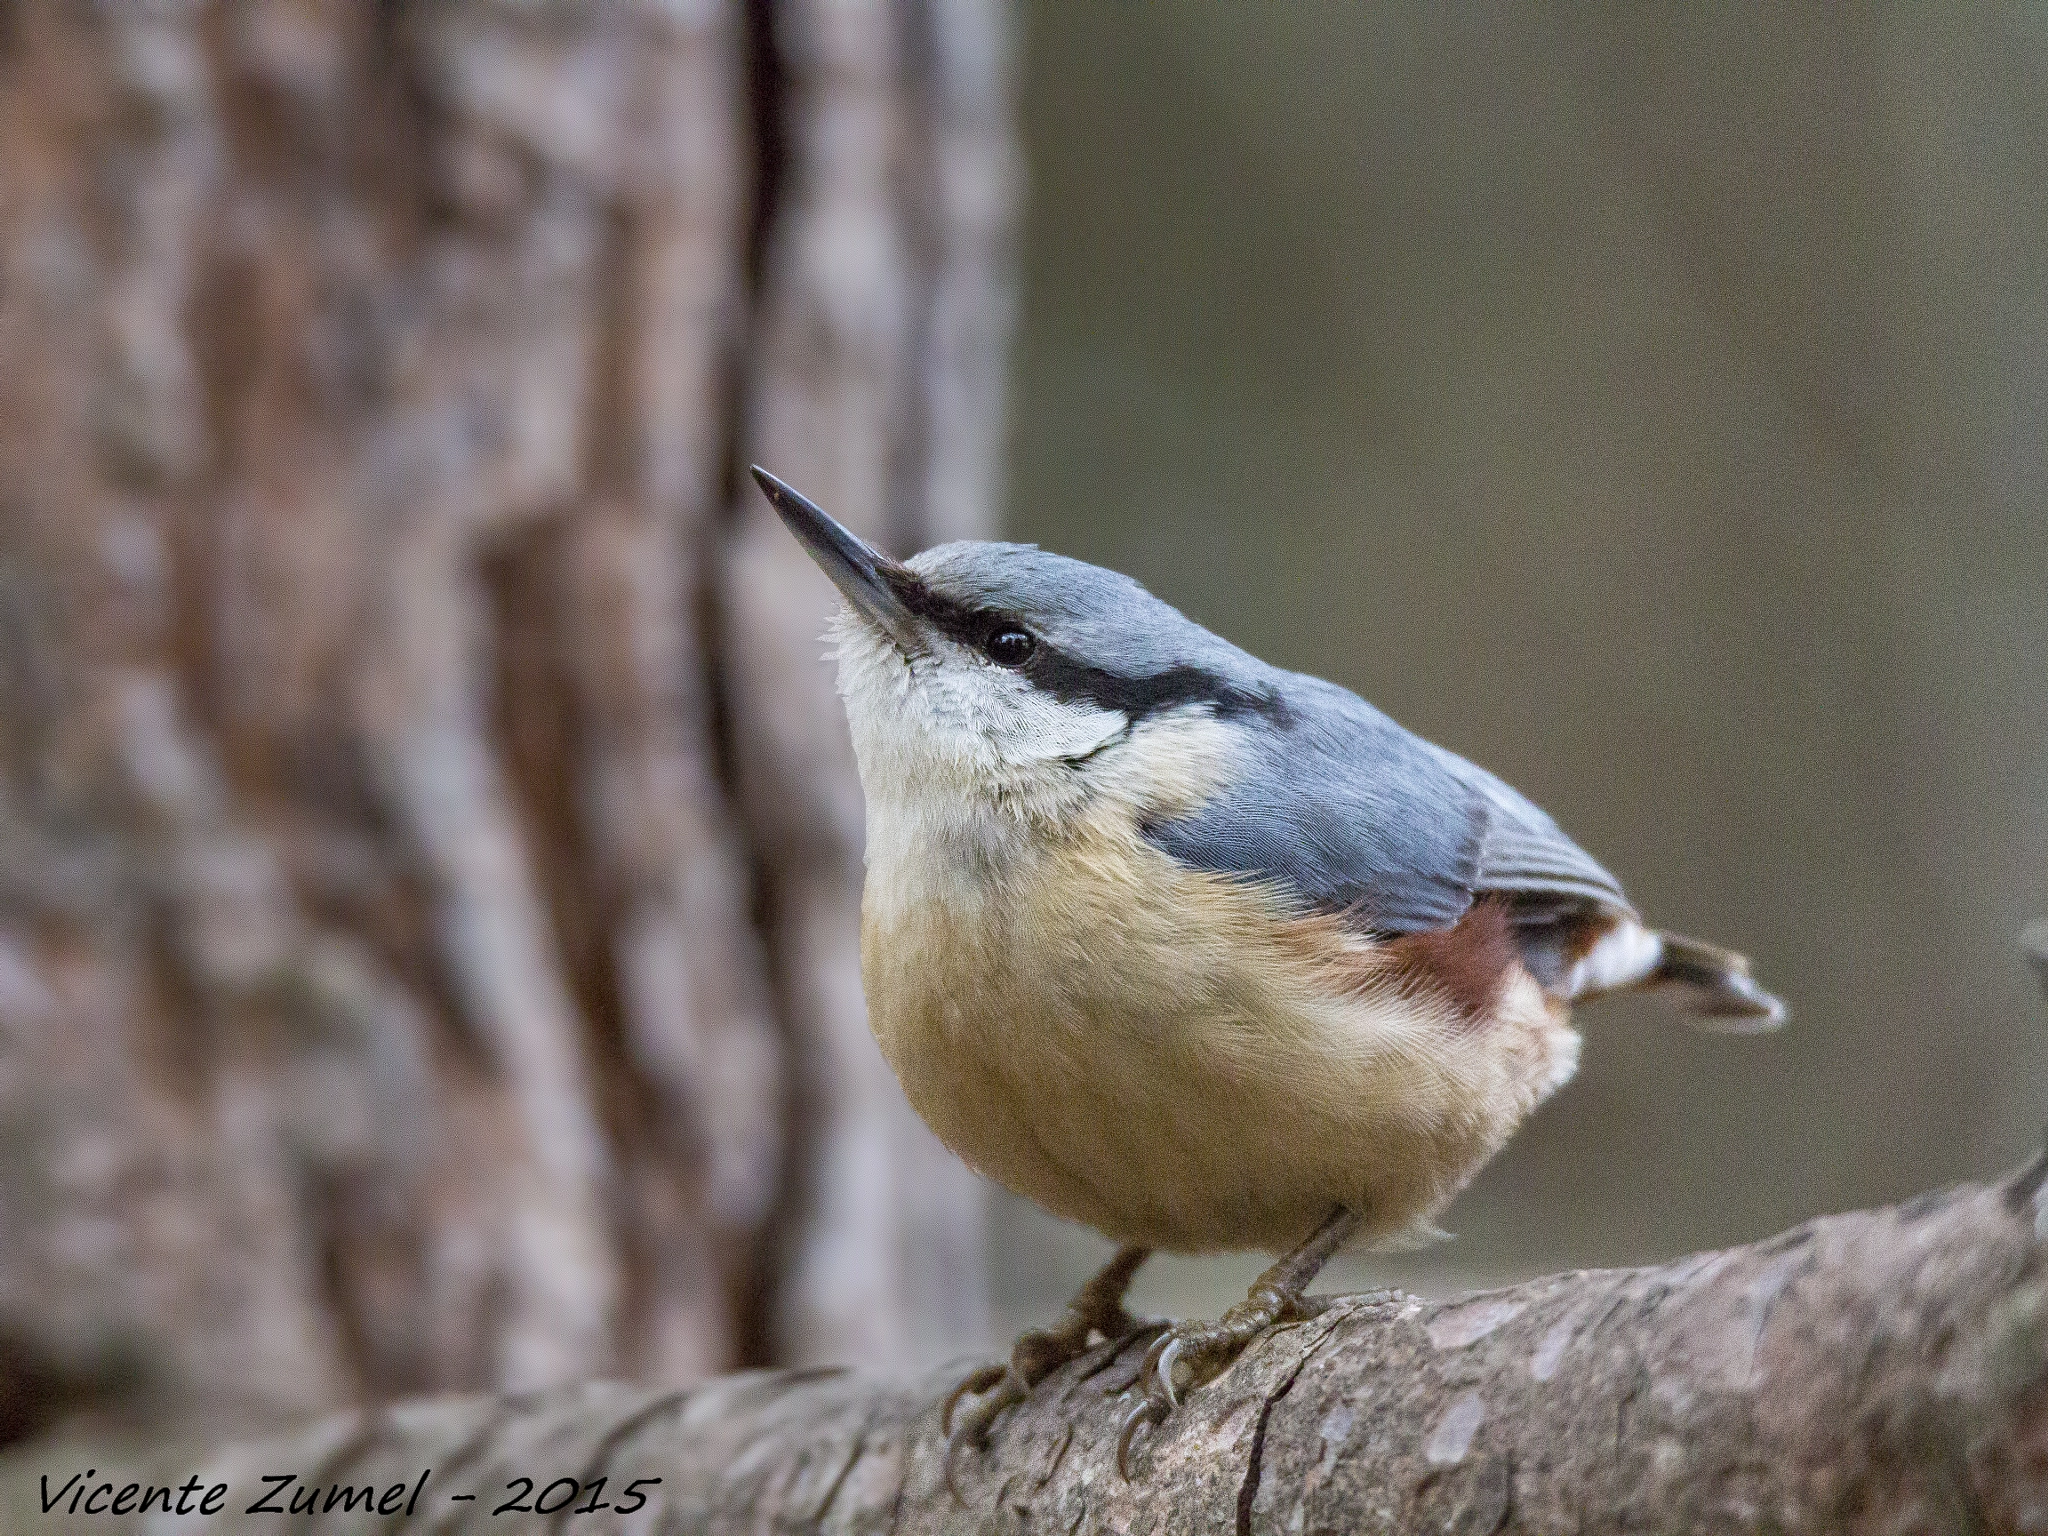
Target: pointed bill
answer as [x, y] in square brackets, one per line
[859, 570]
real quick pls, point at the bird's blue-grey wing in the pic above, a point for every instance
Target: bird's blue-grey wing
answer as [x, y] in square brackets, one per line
[1348, 812]
[1524, 852]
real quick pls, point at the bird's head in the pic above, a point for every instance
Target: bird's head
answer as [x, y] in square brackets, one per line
[1024, 680]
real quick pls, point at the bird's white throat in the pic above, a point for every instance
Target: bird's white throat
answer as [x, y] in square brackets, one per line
[963, 763]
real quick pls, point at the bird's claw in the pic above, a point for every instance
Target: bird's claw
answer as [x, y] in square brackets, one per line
[1000, 1387]
[1149, 1411]
[1004, 1387]
[1205, 1351]
[976, 1381]
[1168, 1358]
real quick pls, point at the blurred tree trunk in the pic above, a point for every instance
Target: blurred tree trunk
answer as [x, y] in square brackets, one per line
[429, 852]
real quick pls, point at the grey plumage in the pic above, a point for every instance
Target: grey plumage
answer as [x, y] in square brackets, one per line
[1356, 814]
[1336, 802]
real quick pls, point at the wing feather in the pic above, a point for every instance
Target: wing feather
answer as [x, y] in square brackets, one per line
[1349, 812]
[1524, 851]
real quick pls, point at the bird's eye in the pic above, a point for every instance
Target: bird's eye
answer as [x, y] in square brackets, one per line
[1010, 647]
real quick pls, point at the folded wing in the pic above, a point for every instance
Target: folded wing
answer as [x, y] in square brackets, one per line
[1348, 812]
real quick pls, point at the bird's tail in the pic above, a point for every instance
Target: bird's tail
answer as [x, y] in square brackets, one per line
[1713, 986]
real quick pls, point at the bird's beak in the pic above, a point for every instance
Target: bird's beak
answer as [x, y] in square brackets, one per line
[856, 567]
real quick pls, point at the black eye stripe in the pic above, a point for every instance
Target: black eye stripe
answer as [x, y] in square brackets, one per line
[1067, 677]
[1073, 681]
[956, 620]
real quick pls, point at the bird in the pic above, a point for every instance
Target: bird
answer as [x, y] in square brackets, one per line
[1196, 951]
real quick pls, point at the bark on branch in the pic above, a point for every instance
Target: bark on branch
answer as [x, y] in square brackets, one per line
[1883, 1370]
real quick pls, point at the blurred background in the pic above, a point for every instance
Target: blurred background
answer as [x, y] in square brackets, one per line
[429, 851]
[1653, 407]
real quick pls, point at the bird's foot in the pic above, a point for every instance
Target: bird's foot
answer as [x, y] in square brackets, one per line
[1188, 1356]
[1097, 1310]
[999, 1387]
[1037, 1353]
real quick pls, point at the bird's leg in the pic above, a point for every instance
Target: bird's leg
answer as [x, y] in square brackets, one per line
[1200, 1352]
[1097, 1308]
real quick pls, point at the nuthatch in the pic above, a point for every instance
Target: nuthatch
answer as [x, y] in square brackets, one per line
[1196, 951]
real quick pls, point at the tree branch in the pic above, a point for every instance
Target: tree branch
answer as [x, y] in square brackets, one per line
[1883, 1370]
